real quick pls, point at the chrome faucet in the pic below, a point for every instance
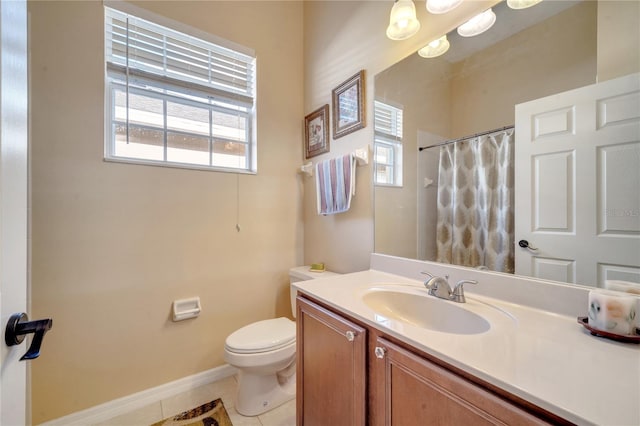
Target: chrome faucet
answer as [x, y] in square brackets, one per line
[439, 287]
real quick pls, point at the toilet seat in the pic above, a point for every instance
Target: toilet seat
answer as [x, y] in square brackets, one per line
[262, 336]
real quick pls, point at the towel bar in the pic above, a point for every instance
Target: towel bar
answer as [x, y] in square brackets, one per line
[362, 159]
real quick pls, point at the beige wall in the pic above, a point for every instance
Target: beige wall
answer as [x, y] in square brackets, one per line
[618, 38]
[115, 244]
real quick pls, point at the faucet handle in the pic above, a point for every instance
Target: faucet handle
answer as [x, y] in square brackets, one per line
[430, 275]
[438, 286]
[457, 294]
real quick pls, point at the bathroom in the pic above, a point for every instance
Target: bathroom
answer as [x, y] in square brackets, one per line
[112, 245]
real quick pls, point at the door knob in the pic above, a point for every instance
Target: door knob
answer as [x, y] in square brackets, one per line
[525, 244]
[19, 325]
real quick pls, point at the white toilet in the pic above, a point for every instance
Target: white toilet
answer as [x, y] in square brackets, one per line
[264, 354]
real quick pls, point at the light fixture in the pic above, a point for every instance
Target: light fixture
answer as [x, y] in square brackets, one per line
[478, 24]
[402, 22]
[438, 7]
[522, 4]
[435, 48]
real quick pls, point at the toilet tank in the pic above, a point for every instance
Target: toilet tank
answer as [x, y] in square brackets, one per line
[302, 273]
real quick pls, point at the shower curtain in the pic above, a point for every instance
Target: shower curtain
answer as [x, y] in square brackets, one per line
[475, 203]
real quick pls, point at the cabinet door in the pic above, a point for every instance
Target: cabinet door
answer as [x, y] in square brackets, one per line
[413, 391]
[331, 366]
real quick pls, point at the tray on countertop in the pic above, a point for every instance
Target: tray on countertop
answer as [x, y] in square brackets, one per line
[628, 338]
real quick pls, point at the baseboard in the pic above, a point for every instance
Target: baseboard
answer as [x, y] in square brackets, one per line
[117, 407]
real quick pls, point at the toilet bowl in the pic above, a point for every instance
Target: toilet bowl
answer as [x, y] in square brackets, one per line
[264, 353]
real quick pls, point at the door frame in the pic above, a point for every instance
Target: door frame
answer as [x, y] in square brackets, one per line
[14, 213]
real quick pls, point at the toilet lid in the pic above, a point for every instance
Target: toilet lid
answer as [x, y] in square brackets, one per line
[262, 336]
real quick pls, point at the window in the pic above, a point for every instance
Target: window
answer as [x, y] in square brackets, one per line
[387, 144]
[177, 100]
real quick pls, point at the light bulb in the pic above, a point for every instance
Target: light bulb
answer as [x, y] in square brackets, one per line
[438, 7]
[435, 48]
[402, 21]
[478, 24]
[522, 4]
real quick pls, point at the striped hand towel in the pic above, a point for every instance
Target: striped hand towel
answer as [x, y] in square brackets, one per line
[335, 184]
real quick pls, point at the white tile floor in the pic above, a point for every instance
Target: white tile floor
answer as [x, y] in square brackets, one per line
[285, 415]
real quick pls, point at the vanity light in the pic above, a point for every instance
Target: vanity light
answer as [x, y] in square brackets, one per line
[438, 7]
[402, 22]
[478, 24]
[435, 48]
[522, 4]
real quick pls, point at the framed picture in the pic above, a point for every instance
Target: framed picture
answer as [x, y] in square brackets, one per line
[348, 106]
[316, 132]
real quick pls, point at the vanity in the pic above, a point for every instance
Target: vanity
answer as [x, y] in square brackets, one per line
[374, 348]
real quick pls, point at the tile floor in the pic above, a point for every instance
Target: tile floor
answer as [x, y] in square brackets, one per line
[285, 415]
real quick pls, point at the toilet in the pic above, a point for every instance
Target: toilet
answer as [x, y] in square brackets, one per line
[264, 353]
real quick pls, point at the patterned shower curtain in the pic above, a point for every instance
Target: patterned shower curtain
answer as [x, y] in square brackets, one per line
[475, 203]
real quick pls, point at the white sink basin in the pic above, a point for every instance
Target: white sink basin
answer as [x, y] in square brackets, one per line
[417, 308]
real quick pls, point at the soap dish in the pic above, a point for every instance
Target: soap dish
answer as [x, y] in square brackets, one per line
[628, 338]
[316, 267]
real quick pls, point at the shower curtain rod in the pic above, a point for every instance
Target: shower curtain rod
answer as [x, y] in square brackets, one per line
[466, 137]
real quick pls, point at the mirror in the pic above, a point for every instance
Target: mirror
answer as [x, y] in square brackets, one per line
[473, 88]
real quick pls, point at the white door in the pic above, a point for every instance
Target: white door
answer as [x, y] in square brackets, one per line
[13, 203]
[577, 186]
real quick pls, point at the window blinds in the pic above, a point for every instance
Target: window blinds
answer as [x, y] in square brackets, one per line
[139, 48]
[388, 120]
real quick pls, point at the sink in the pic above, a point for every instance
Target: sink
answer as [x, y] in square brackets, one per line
[419, 309]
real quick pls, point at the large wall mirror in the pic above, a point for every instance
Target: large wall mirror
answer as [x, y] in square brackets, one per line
[460, 107]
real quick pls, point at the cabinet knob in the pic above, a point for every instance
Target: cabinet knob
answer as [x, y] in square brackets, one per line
[350, 335]
[380, 352]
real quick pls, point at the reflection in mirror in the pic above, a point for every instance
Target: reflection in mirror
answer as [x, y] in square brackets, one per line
[460, 107]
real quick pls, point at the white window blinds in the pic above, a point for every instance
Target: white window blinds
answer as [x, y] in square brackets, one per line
[388, 120]
[144, 46]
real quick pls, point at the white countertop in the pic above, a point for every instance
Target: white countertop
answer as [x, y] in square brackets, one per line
[542, 357]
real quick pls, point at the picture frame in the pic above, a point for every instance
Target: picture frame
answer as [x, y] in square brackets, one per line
[316, 132]
[348, 106]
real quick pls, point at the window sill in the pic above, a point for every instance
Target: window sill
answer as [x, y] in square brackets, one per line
[135, 161]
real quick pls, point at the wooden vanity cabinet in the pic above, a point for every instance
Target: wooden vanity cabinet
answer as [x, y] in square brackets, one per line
[411, 390]
[368, 378]
[331, 368]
